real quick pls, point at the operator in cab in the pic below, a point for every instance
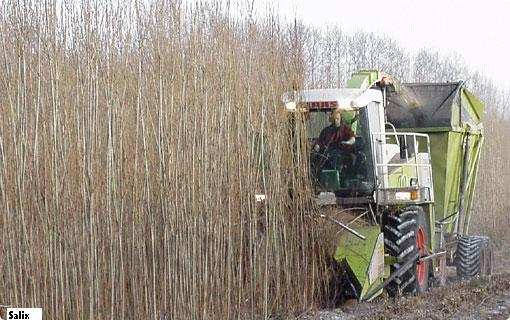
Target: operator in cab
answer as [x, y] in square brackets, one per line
[336, 136]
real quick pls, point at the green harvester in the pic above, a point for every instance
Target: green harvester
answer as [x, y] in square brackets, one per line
[409, 175]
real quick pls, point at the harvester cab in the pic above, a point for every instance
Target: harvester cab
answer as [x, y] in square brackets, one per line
[402, 158]
[380, 165]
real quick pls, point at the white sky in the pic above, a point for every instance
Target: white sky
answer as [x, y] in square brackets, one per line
[478, 30]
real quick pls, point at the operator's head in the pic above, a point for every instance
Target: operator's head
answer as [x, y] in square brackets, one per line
[336, 117]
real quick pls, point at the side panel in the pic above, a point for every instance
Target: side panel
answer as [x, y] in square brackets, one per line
[473, 106]
[447, 149]
[446, 155]
[453, 175]
[376, 124]
[474, 147]
[375, 117]
[439, 152]
[365, 258]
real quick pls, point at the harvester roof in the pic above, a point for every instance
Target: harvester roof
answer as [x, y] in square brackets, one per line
[434, 107]
[329, 99]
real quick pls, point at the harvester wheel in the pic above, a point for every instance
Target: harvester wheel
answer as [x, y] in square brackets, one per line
[473, 256]
[406, 238]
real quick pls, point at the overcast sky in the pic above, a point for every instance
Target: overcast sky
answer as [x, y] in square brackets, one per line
[478, 30]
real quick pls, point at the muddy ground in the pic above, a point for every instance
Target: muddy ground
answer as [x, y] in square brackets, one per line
[479, 298]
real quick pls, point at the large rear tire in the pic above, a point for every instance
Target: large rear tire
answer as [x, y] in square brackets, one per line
[406, 238]
[473, 256]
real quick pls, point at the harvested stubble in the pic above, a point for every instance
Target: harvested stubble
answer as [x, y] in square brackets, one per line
[133, 139]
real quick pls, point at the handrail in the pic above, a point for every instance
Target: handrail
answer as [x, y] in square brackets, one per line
[424, 135]
[403, 164]
[394, 130]
[383, 163]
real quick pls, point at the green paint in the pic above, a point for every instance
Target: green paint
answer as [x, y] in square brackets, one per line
[363, 79]
[447, 157]
[396, 174]
[359, 254]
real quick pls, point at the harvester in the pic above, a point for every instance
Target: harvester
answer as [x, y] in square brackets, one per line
[408, 174]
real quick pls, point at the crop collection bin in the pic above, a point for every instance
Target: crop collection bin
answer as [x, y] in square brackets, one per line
[452, 117]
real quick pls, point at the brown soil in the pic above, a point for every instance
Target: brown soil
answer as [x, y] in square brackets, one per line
[479, 298]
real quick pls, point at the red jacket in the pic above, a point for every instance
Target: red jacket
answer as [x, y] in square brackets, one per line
[332, 136]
